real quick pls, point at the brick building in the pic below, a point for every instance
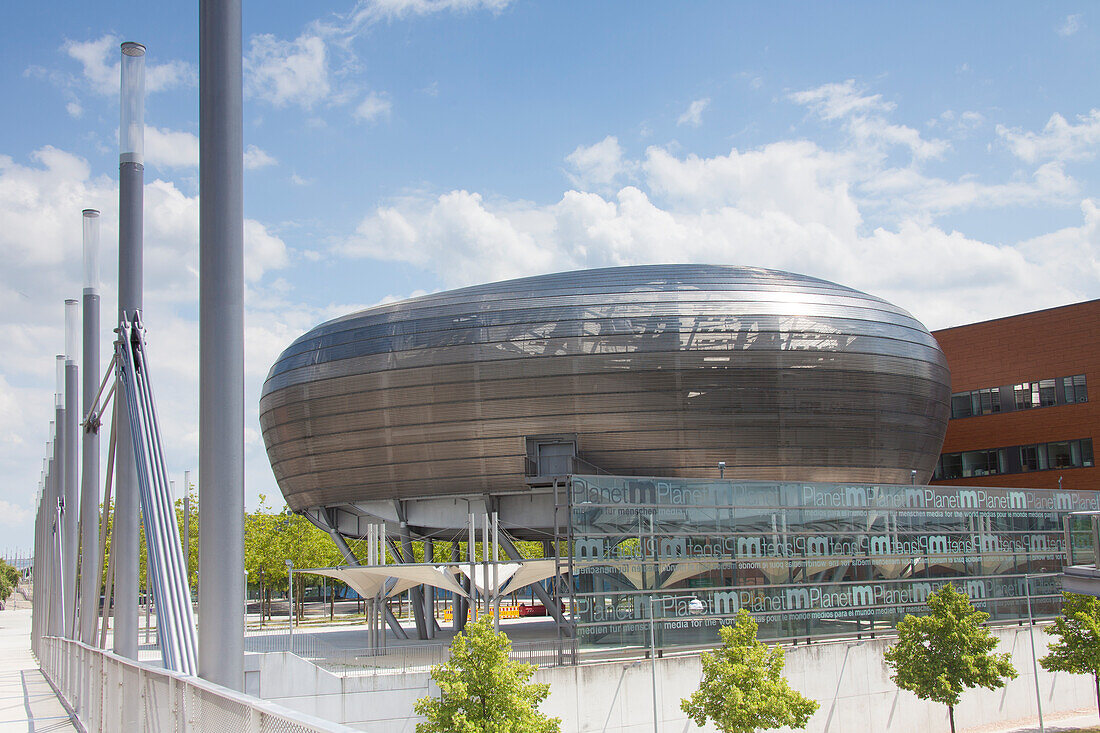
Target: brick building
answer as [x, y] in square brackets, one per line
[1025, 405]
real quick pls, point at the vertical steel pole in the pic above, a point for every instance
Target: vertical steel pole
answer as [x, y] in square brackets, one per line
[653, 661]
[131, 177]
[187, 525]
[221, 344]
[290, 605]
[90, 560]
[1034, 663]
[71, 517]
[57, 499]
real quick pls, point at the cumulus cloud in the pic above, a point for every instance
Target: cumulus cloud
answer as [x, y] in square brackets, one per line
[373, 107]
[693, 115]
[1058, 140]
[849, 213]
[101, 65]
[597, 165]
[288, 72]
[41, 199]
[255, 158]
[166, 148]
[864, 117]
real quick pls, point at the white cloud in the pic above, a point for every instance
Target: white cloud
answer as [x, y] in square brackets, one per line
[849, 214]
[367, 12]
[1059, 139]
[1070, 25]
[693, 115]
[597, 165]
[75, 110]
[373, 107]
[288, 72]
[255, 158]
[298, 180]
[864, 117]
[298, 72]
[13, 515]
[101, 64]
[166, 148]
[40, 242]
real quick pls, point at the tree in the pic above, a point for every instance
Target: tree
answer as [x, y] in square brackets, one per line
[482, 691]
[743, 689]
[1078, 647]
[940, 655]
[9, 579]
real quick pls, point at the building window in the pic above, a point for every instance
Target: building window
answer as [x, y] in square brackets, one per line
[1022, 396]
[1038, 457]
[976, 402]
[1074, 389]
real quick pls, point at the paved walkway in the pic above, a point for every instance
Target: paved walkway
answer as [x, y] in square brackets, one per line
[27, 702]
[1054, 723]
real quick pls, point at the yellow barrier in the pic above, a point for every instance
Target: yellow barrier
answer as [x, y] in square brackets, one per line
[505, 612]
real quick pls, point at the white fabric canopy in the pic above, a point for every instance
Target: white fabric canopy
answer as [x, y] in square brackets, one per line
[369, 581]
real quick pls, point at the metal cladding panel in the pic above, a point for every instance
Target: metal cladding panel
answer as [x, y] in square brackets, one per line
[660, 370]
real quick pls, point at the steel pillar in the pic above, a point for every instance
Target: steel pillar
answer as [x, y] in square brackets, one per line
[221, 344]
[131, 179]
[90, 560]
[71, 516]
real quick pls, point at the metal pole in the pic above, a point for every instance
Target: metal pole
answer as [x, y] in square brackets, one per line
[90, 558]
[653, 660]
[187, 525]
[496, 571]
[131, 175]
[1034, 663]
[221, 344]
[290, 604]
[56, 506]
[71, 442]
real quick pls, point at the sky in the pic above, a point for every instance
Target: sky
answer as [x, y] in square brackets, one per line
[940, 155]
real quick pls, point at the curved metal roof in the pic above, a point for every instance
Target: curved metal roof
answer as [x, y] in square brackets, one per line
[659, 370]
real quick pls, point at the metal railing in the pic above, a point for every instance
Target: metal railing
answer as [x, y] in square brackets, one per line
[108, 693]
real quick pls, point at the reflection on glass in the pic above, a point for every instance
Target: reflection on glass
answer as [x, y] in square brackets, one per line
[808, 560]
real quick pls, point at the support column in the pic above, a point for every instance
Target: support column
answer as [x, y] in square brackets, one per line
[350, 559]
[221, 345]
[429, 592]
[90, 560]
[551, 608]
[57, 500]
[71, 489]
[131, 179]
[458, 604]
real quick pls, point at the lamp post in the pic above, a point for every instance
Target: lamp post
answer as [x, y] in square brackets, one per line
[290, 601]
[653, 658]
[1031, 633]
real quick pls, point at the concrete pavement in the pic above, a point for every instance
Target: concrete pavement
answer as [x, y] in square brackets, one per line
[27, 702]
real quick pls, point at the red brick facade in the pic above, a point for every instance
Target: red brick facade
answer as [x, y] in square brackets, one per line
[1053, 343]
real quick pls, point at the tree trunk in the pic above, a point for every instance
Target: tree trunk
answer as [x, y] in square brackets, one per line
[951, 716]
[1096, 679]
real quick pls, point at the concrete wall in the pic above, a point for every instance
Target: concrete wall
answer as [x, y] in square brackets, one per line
[848, 679]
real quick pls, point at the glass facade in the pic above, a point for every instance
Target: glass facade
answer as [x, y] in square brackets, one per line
[807, 559]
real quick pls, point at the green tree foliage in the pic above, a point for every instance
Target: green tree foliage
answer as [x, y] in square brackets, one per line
[9, 578]
[1077, 649]
[482, 691]
[940, 655]
[743, 689]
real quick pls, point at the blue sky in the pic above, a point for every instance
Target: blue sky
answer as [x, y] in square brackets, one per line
[942, 156]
